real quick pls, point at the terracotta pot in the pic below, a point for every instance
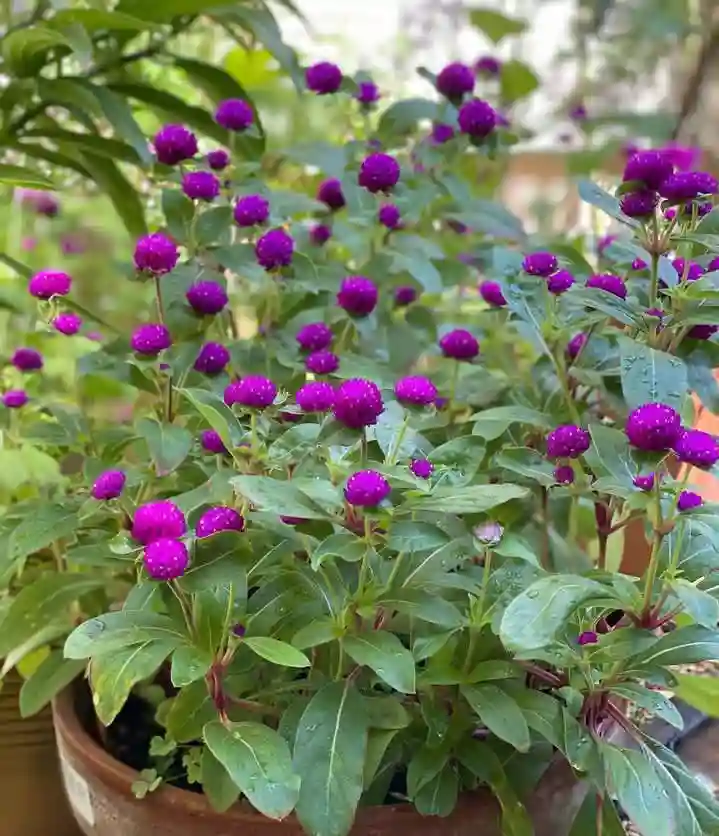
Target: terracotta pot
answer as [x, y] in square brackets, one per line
[31, 792]
[99, 791]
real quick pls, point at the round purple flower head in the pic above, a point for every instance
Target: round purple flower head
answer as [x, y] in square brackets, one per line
[539, 264]
[378, 173]
[330, 193]
[404, 295]
[274, 249]
[322, 362]
[703, 332]
[644, 483]
[174, 144]
[670, 214]
[608, 283]
[207, 298]
[492, 294]
[316, 396]
[27, 359]
[564, 474]
[358, 295]
[251, 210]
[688, 500]
[49, 283]
[358, 403]
[560, 282]
[366, 489]
[212, 359]
[488, 65]
[653, 426]
[415, 391]
[156, 254]
[15, 398]
[454, 80]
[421, 468]
[567, 441]
[218, 160]
[639, 204]
[575, 345]
[201, 185]
[588, 637]
[697, 448]
[441, 133]
[219, 518]
[211, 442]
[108, 485]
[693, 271]
[323, 78]
[648, 167]
[234, 115]
[639, 264]
[253, 391]
[477, 118]
[150, 339]
[157, 520]
[320, 234]
[314, 337]
[165, 559]
[713, 265]
[67, 323]
[459, 345]
[389, 216]
[367, 93]
[686, 185]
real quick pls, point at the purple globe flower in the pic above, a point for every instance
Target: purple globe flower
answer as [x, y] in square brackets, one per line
[212, 359]
[219, 518]
[379, 173]
[560, 282]
[322, 362]
[367, 93]
[692, 271]
[539, 264]
[648, 167]
[605, 242]
[389, 216]
[687, 185]
[314, 337]
[27, 359]
[158, 520]
[697, 448]
[165, 559]
[670, 214]
[274, 249]
[211, 442]
[488, 65]
[15, 398]
[588, 637]
[174, 144]
[251, 210]
[316, 396]
[320, 234]
[415, 391]
[477, 118]
[567, 441]
[639, 264]
[639, 204]
[201, 185]
[207, 298]
[608, 283]
[292, 520]
[253, 391]
[644, 483]
[575, 345]
[564, 474]
[218, 160]
[713, 265]
[156, 254]
[421, 468]
[454, 80]
[404, 295]
[150, 339]
[67, 323]
[702, 332]
[358, 403]
[330, 193]
[689, 500]
[441, 133]
[492, 294]
[108, 485]
[366, 489]
[358, 295]
[49, 283]
[323, 78]
[459, 345]
[234, 115]
[653, 426]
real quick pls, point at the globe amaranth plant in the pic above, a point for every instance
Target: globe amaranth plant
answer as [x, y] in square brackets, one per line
[372, 545]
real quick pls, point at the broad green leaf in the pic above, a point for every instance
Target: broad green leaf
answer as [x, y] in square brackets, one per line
[682, 646]
[386, 655]
[96, 19]
[24, 50]
[499, 713]
[700, 378]
[189, 664]
[494, 25]
[526, 462]
[651, 700]
[416, 537]
[585, 822]
[283, 498]
[258, 760]
[17, 175]
[702, 692]
[463, 455]
[116, 630]
[438, 797]
[277, 652]
[474, 499]
[119, 190]
[591, 193]
[163, 11]
[112, 149]
[651, 376]
[217, 414]
[491, 423]
[610, 455]
[53, 674]
[318, 631]
[516, 81]
[402, 117]
[189, 712]
[168, 444]
[221, 791]
[607, 303]
[701, 606]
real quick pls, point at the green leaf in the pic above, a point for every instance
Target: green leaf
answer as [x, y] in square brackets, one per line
[386, 655]
[702, 692]
[651, 700]
[402, 117]
[610, 455]
[168, 444]
[24, 50]
[258, 760]
[329, 754]
[189, 664]
[17, 175]
[217, 785]
[112, 149]
[119, 190]
[189, 711]
[607, 303]
[474, 499]
[593, 194]
[273, 495]
[53, 674]
[651, 376]
[499, 713]
[116, 630]
[526, 462]
[682, 646]
[96, 19]
[492, 423]
[701, 606]
[163, 11]
[217, 414]
[494, 25]
[277, 652]
[516, 81]
[416, 537]
[438, 797]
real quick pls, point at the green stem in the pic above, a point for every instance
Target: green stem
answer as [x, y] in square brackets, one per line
[340, 661]
[654, 285]
[253, 432]
[656, 546]
[487, 570]
[453, 384]
[395, 569]
[561, 369]
[396, 445]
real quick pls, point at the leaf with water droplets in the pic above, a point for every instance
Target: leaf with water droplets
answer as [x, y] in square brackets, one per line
[651, 376]
[387, 656]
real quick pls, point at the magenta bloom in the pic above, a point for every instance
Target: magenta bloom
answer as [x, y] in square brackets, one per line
[682, 157]
[251, 210]
[314, 337]
[67, 323]
[316, 396]
[639, 264]
[653, 426]
[575, 345]
[687, 185]
[367, 93]
[323, 78]
[455, 80]
[703, 332]
[651, 168]
[253, 391]
[564, 474]
[415, 391]
[330, 193]
[150, 339]
[421, 468]
[404, 295]
[201, 185]
[207, 298]
[697, 448]
[366, 489]
[567, 441]
[274, 249]
[156, 254]
[540, 264]
[639, 204]
[358, 295]
[27, 359]
[108, 485]
[488, 65]
[219, 518]
[165, 559]
[212, 359]
[174, 144]
[234, 115]
[15, 398]
[379, 173]
[644, 483]
[389, 216]
[492, 294]
[320, 234]
[441, 133]
[322, 362]
[49, 283]
[560, 282]
[218, 160]
[588, 637]
[358, 403]
[477, 118]
[211, 442]
[608, 283]
[158, 520]
[459, 345]
[693, 271]
[688, 500]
